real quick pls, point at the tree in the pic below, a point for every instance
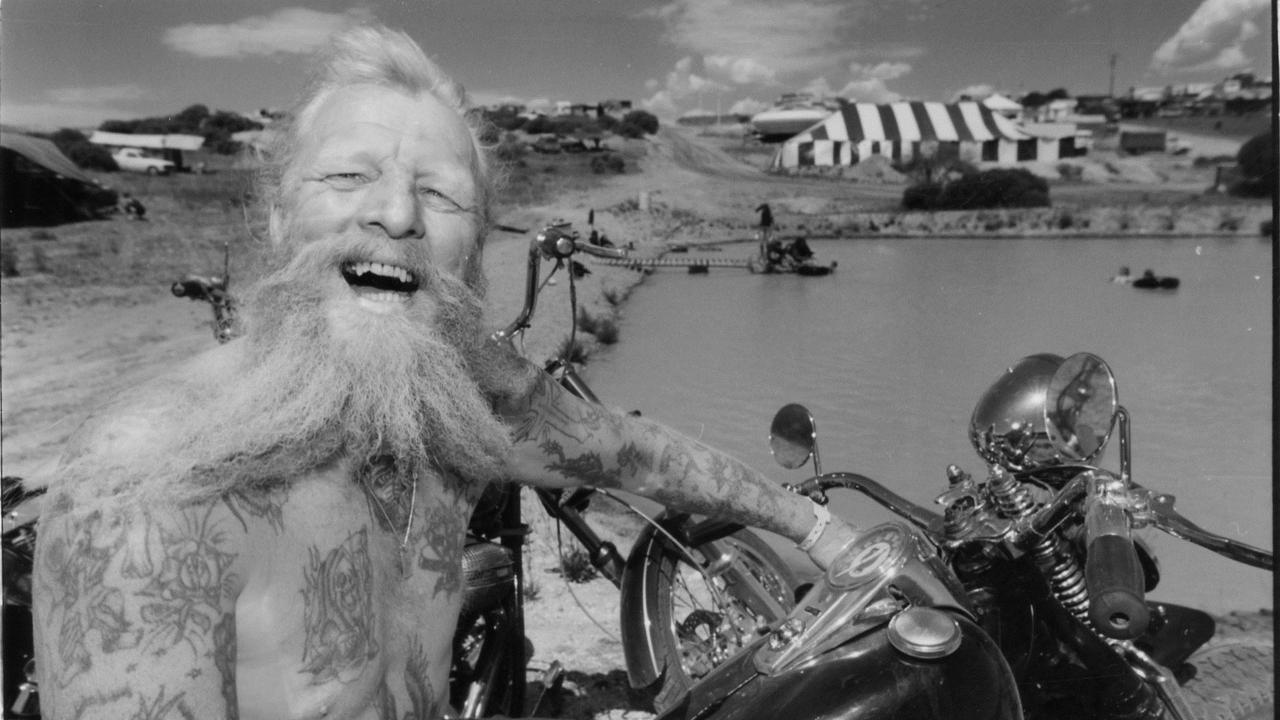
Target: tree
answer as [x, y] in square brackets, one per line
[119, 126]
[1034, 99]
[83, 153]
[190, 118]
[1258, 165]
[646, 121]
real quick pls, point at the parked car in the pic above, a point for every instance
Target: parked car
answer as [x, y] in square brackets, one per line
[134, 160]
[572, 145]
[547, 144]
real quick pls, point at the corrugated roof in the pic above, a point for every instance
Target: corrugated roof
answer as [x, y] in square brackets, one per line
[44, 153]
[156, 142]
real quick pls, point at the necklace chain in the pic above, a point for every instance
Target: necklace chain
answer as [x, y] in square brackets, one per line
[390, 524]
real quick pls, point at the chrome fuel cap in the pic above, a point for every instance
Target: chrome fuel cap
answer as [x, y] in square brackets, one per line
[924, 632]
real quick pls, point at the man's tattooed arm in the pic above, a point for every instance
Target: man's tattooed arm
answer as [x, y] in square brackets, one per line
[562, 440]
[134, 612]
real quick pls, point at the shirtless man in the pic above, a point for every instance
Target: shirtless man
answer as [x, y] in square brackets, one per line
[274, 530]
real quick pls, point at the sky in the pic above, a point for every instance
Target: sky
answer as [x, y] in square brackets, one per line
[76, 63]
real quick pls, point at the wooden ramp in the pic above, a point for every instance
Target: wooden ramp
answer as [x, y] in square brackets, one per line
[682, 262]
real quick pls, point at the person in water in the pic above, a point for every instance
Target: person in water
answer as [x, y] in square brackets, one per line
[274, 529]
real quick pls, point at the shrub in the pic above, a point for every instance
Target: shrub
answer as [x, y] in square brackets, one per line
[601, 164]
[572, 350]
[629, 130]
[1070, 172]
[1257, 157]
[614, 296]
[9, 261]
[922, 196]
[646, 121]
[1258, 164]
[83, 153]
[997, 188]
[40, 258]
[576, 566]
[539, 125]
[606, 331]
[586, 321]
[510, 149]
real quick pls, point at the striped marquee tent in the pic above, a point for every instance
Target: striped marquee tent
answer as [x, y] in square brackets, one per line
[904, 130]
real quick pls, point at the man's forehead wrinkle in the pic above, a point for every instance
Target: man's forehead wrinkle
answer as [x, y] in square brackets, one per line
[440, 147]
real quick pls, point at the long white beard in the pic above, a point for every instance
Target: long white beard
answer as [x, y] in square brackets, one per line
[417, 386]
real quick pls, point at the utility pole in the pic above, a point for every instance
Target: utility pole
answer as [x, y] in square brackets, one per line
[1111, 89]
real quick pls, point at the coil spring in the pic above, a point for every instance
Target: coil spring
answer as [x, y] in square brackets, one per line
[1066, 577]
[1011, 497]
[1052, 556]
[959, 521]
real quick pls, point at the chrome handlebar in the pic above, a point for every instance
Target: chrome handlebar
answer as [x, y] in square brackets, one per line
[559, 242]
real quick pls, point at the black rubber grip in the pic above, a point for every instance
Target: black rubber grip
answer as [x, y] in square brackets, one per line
[1114, 579]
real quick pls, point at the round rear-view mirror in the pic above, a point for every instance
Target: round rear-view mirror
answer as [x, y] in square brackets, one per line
[792, 436]
[1080, 407]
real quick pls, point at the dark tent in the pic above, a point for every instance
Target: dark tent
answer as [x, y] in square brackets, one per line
[41, 186]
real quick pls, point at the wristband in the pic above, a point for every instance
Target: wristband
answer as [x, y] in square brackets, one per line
[823, 516]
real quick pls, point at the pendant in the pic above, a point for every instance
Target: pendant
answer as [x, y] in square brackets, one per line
[402, 559]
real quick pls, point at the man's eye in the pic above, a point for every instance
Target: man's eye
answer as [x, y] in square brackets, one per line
[345, 180]
[435, 196]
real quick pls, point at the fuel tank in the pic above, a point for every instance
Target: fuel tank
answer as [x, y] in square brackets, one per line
[866, 679]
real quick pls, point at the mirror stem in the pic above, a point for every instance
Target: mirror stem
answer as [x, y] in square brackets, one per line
[1125, 468]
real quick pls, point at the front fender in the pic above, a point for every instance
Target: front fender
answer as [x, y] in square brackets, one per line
[866, 679]
[640, 632]
[644, 667]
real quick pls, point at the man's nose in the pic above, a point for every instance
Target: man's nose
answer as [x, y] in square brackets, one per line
[392, 206]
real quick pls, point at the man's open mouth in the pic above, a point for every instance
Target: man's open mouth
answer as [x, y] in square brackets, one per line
[379, 281]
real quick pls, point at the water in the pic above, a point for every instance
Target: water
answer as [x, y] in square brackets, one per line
[892, 352]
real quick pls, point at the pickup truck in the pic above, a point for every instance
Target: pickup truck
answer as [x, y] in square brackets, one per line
[134, 160]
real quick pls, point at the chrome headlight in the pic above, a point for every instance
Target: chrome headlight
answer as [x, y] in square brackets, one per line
[1008, 425]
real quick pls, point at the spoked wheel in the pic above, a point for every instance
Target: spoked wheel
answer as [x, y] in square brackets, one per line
[700, 616]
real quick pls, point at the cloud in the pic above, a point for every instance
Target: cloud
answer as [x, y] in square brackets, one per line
[974, 92]
[292, 30]
[740, 70]
[75, 107]
[686, 80]
[880, 71]
[661, 104]
[866, 84]
[44, 117]
[748, 106]
[102, 94]
[778, 38]
[761, 45]
[1212, 38]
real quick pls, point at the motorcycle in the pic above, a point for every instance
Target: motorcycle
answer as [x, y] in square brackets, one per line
[1022, 596]
[717, 584]
[721, 583]
[795, 256]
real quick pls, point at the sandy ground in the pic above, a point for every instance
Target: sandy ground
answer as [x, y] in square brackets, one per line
[78, 327]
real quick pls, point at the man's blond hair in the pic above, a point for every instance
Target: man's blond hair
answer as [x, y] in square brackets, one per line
[374, 55]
